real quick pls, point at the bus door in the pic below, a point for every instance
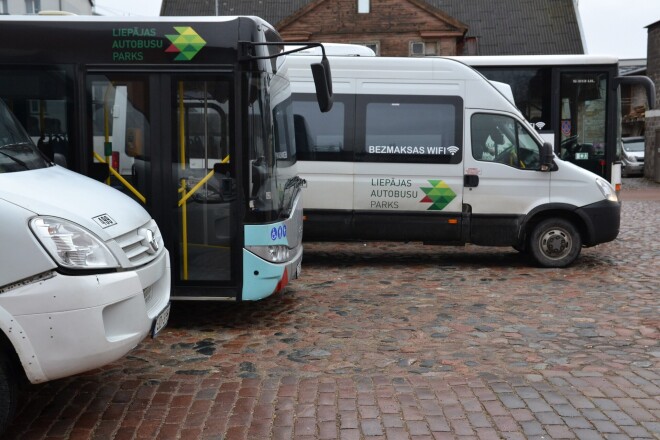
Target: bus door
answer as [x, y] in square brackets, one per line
[165, 141]
[582, 116]
[204, 178]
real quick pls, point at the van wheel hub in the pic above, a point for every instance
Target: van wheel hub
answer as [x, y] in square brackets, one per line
[556, 243]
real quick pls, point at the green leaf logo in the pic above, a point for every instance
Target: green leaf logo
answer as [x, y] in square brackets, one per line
[187, 43]
[439, 195]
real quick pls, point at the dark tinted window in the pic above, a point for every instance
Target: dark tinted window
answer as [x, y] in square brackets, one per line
[17, 152]
[322, 136]
[409, 129]
[502, 139]
[531, 88]
[42, 101]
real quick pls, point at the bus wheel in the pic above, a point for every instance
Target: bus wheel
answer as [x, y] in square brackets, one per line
[555, 242]
[8, 392]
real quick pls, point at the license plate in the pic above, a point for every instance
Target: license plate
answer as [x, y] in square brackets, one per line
[161, 321]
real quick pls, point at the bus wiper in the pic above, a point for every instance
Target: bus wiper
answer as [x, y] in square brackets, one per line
[295, 182]
[15, 159]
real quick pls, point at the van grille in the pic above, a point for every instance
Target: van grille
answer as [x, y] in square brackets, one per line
[143, 244]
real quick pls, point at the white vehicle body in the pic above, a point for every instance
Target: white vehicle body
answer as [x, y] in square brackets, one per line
[84, 275]
[401, 163]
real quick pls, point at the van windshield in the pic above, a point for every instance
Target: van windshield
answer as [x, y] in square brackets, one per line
[17, 151]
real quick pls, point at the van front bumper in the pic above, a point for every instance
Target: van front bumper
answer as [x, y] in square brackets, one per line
[602, 220]
[65, 325]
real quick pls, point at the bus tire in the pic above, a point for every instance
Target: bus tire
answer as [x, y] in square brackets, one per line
[8, 392]
[555, 242]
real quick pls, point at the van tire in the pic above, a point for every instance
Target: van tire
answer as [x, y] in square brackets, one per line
[8, 392]
[555, 242]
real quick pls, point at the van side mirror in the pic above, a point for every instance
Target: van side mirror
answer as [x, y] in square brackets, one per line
[546, 156]
[323, 84]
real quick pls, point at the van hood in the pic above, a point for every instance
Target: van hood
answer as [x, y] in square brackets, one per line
[574, 185]
[58, 192]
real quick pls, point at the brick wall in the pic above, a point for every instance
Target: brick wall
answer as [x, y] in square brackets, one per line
[393, 24]
[652, 131]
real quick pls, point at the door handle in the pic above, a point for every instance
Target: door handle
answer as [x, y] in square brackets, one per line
[470, 180]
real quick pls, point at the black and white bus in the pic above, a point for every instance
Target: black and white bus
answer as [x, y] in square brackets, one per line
[572, 100]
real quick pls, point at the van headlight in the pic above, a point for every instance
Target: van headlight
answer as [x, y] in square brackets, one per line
[274, 253]
[607, 190]
[72, 246]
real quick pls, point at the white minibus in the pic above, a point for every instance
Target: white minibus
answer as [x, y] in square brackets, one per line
[84, 275]
[427, 149]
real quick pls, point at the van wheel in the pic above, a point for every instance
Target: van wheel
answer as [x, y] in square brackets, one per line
[555, 242]
[8, 392]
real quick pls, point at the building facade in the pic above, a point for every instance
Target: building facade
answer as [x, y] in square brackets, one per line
[414, 27]
[31, 7]
[652, 132]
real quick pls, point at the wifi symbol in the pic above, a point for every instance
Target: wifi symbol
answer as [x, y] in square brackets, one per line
[453, 150]
[540, 125]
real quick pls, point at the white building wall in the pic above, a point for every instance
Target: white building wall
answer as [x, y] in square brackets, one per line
[21, 7]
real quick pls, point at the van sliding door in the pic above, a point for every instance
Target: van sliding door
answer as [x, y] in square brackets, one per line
[408, 173]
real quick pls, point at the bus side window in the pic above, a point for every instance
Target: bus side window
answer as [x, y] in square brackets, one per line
[409, 129]
[320, 136]
[304, 141]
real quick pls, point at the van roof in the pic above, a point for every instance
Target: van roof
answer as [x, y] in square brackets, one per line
[336, 49]
[410, 75]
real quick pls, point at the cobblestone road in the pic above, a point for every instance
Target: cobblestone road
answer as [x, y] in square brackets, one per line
[397, 341]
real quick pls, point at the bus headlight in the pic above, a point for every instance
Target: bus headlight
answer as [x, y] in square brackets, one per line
[273, 253]
[607, 190]
[72, 246]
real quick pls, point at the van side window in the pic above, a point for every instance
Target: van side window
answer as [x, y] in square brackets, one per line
[322, 136]
[409, 129]
[502, 139]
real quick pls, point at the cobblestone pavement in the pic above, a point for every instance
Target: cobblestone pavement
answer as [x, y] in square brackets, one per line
[397, 341]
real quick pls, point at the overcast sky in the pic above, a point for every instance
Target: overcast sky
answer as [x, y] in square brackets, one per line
[612, 27]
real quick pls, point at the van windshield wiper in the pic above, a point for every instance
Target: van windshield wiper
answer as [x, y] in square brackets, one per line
[15, 159]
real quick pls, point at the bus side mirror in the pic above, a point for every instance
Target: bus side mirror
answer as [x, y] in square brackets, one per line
[546, 156]
[323, 84]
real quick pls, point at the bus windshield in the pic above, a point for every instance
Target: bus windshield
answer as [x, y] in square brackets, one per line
[272, 158]
[17, 152]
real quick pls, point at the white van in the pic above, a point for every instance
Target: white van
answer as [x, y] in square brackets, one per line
[426, 149]
[84, 275]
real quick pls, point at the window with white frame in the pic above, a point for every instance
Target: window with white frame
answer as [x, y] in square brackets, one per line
[417, 49]
[32, 6]
[373, 45]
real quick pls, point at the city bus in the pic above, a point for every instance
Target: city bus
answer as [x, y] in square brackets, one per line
[190, 116]
[573, 101]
